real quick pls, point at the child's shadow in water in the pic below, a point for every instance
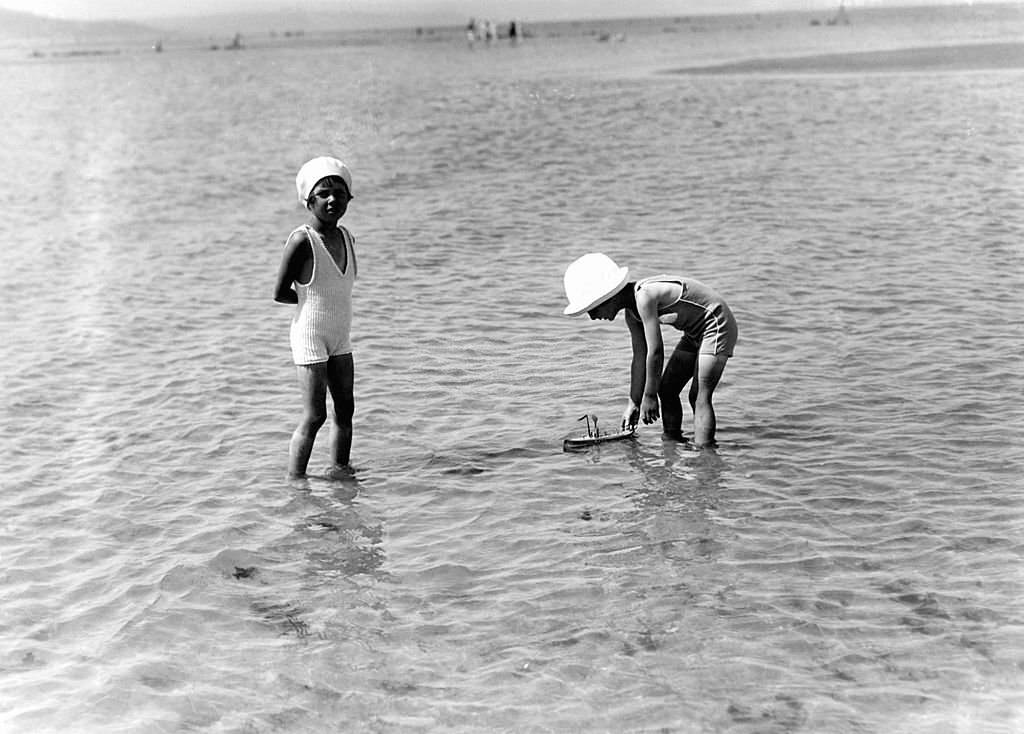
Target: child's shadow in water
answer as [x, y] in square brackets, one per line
[669, 466]
[334, 544]
[338, 533]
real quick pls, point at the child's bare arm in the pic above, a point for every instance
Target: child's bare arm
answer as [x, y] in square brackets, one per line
[647, 307]
[637, 370]
[296, 253]
[638, 367]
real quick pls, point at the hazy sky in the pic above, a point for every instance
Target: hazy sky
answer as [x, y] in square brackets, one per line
[456, 9]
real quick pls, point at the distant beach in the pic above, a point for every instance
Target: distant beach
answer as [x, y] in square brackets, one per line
[970, 57]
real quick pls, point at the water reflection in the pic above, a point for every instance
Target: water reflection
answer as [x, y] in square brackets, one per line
[338, 535]
[674, 492]
[666, 467]
[326, 566]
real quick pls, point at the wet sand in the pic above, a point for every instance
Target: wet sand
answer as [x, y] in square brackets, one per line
[931, 58]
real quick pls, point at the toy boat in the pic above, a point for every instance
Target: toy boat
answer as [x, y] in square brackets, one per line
[594, 436]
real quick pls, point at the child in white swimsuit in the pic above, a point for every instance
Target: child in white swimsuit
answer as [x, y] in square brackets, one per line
[317, 271]
[322, 322]
[596, 285]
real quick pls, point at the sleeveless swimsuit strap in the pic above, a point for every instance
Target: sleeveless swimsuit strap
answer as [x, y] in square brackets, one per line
[346, 237]
[663, 279]
[314, 239]
[350, 243]
[346, 242]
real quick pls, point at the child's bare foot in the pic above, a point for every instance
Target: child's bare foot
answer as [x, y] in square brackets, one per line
[674, 436]
[341, 472]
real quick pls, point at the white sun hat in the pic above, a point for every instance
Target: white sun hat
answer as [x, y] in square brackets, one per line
[315, 171]
[591, 280]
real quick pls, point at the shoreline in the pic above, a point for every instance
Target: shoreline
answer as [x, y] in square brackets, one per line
[960, 57]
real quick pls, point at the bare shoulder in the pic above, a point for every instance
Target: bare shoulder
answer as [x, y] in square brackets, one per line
[659, 293]
[648, 296]
[654, 288]
[297, 238]
[297, 246]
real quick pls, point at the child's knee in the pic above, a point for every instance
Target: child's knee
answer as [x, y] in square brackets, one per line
[343, 410]
[703, 397]
[313, 420]
[700, 400]
[669, 392]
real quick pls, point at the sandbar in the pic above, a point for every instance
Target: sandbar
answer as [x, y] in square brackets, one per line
[966, 57]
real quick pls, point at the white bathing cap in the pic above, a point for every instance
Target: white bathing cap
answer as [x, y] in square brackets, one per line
[316, 170]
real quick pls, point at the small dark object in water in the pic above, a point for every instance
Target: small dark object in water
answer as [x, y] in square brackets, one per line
[244, 573]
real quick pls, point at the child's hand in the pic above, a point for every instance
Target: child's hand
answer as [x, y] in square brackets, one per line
[649, 409]
[630, 416]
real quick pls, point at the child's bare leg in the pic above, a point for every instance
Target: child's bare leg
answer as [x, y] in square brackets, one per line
[314, 412]
[340, 382]
[709, 372]
[678, 372]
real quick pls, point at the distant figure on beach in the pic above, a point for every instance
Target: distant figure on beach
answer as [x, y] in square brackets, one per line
[840, 18]
[595, 284]
[317, 271]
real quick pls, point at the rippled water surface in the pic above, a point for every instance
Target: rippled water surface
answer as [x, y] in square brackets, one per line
[848, 559]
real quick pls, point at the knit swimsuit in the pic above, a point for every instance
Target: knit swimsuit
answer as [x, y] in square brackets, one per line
[701, 314]
[323, 318]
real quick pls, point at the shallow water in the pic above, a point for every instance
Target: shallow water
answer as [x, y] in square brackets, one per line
[848, 560]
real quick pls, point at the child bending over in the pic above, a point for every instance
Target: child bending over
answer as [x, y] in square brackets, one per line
[596, 285]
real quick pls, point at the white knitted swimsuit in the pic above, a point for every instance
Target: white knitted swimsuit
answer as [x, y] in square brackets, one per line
[323, 318]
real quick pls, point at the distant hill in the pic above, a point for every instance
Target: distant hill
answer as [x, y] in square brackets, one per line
[16, 25]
